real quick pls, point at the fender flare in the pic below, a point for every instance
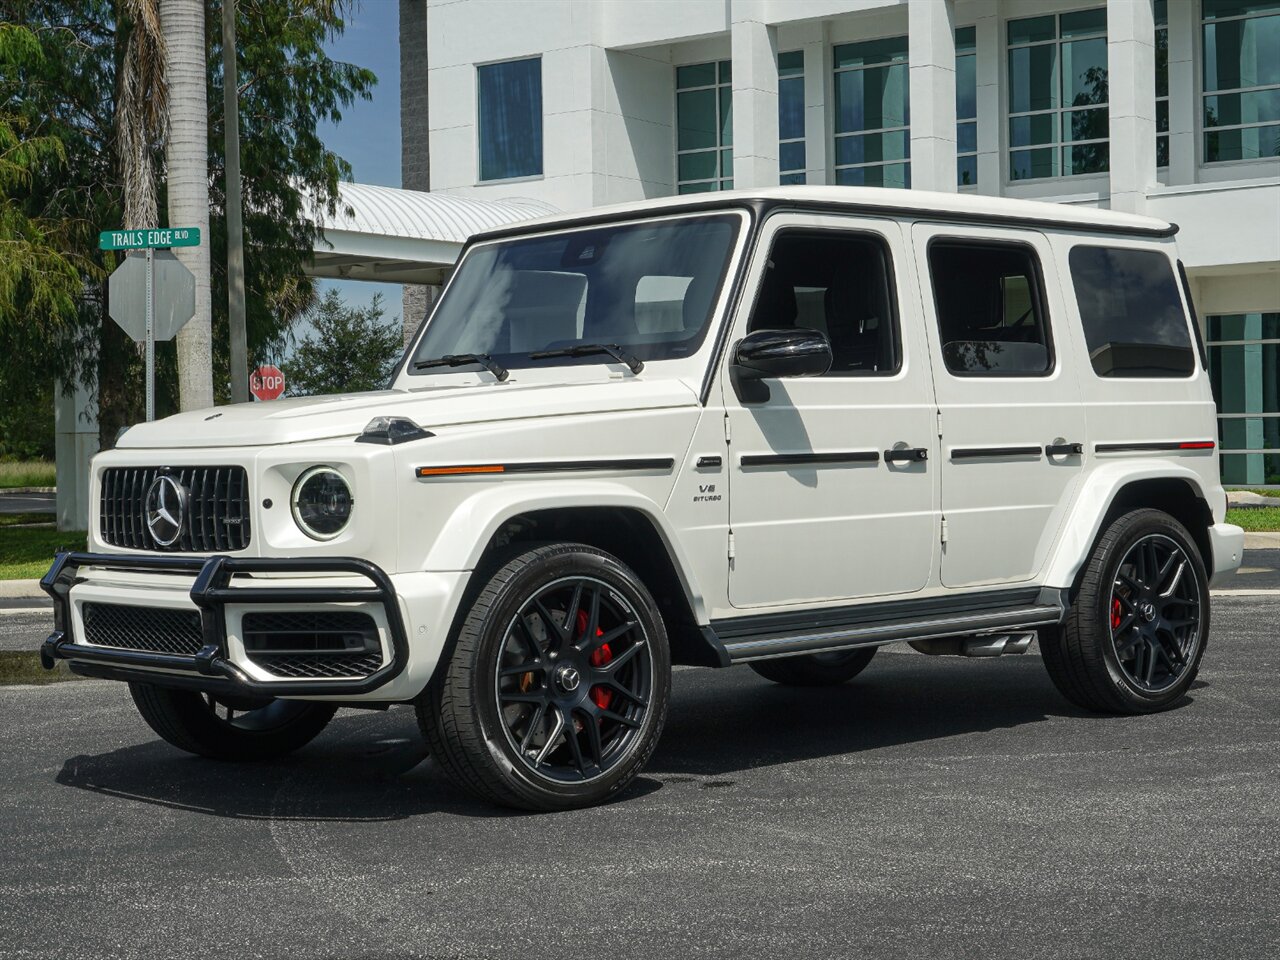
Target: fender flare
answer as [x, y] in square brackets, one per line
[465, 535]
[1084, 523]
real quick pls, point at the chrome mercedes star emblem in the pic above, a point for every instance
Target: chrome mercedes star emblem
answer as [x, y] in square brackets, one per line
[166, 506]
[569, 678]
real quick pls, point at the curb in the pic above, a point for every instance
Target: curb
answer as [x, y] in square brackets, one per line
[21, 590]
[1262, 541]
[4, 490]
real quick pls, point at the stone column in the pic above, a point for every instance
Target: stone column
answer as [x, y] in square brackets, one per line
[931, 35]
[75, 419]
[754, 48]
[1131, 65]
[817, 80]
[1184, 103]
[415, 141]
[991, 53]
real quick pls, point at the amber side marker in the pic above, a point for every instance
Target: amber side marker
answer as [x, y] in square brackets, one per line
[455, 471]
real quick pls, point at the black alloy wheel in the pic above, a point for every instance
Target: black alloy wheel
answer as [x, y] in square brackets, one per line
[227, 726]
[553, 691]
[1138, 624]
[574, 678]
[1155, 613]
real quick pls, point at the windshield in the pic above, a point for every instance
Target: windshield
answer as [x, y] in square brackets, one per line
[648, 288]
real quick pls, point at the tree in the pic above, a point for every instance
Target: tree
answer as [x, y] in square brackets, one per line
[187, 179]
[288, 86]
[348, 349]
[41, 275]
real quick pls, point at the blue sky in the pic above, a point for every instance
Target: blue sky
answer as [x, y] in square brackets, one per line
[369, 135]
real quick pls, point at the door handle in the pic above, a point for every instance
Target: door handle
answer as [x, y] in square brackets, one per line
[906, 455]
[1064, 450]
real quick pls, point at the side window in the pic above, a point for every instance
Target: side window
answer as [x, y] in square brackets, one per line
[1134, 322]
[991, 317]
[839, 284]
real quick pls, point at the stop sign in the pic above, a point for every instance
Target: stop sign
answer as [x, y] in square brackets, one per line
[267, 382]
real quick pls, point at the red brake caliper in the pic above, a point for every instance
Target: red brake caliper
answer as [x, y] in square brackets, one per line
[1115, 613]
[601, 696]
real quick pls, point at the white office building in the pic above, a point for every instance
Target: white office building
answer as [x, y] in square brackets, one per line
[1165, 107]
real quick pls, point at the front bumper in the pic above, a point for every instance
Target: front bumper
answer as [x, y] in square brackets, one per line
[212, 669]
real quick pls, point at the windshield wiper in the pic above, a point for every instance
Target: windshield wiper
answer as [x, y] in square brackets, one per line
[632, 362]
[462, 359]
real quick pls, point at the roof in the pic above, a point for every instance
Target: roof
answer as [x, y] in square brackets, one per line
[883, 201]
[406, 236]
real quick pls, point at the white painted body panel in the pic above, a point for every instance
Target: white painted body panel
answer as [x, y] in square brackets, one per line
[803, 539]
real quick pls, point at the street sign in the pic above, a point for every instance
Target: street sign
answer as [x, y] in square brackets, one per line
[267, 382]
[151, 297]
[174, 296]
[149, 238]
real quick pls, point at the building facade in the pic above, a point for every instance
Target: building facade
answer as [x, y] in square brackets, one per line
[1169, 108]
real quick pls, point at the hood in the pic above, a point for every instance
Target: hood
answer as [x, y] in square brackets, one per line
[301, 419]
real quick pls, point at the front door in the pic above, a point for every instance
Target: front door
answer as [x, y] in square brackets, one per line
[832, 491]
[1012, 423]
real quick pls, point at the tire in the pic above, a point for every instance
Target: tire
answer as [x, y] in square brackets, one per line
[815, 669]
[1135, 634]
[250, 729]
[555, 691]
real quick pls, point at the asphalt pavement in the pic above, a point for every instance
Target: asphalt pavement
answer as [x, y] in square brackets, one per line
[934, 807]
[28, 502]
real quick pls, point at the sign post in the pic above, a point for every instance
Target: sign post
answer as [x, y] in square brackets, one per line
[167, 301]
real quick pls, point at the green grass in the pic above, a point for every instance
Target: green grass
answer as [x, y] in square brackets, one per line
[1257, 520]
[26, 554]
[16, 519]
[29, 473]
[21, 666]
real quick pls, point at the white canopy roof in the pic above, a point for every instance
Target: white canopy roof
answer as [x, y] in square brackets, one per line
[406, 236]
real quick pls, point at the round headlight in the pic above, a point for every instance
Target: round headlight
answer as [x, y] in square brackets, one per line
[322, 503]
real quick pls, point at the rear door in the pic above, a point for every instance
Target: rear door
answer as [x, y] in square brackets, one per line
[832, 487]
[1011, 421]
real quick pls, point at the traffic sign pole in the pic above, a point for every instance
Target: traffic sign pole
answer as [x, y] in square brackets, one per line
[151, 333]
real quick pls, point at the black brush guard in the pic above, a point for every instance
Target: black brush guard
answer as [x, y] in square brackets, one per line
[209, 669]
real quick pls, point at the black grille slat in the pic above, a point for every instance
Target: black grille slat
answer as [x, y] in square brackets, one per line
[154, 629]
[217, 516]
[312, 644]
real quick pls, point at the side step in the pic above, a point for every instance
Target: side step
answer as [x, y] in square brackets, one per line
[1009, 629]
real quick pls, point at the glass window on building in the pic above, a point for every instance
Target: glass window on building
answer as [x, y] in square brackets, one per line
[1241, 79]
[509, 97]
[872, 118]
[1058, 122]
[966, 106]
[1244, 366]
[791, 154]
[704, 122]
[1162, 83]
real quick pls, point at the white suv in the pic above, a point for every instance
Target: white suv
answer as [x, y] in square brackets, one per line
[779, 428]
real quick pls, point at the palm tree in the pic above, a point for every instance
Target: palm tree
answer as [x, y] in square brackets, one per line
[142, 110]
[187, 169]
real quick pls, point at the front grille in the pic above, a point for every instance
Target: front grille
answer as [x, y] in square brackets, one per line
[308, 644]
[215, 520]
[154, 629]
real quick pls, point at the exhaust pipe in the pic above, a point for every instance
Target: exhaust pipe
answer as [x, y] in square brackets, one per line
[986, 645]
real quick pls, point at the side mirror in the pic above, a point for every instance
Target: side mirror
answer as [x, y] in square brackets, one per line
[782, 353]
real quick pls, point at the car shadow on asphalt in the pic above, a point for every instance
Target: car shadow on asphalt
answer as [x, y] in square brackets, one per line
[369, 767]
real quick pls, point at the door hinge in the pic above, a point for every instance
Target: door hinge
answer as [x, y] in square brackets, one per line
[727, 433]
[940, 423]
[731, 546]
[944, 529]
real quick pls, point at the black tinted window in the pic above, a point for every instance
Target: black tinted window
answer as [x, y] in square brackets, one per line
[990, 312]
[837, 284]
[1133, 319]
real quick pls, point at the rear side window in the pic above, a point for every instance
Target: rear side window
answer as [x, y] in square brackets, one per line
[991, 316]
[1133, 318]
